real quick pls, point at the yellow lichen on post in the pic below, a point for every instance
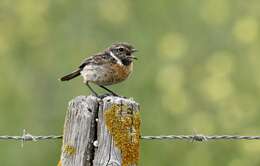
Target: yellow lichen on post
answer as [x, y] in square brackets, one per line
[124, 125]
[59, 163]
[70, 150]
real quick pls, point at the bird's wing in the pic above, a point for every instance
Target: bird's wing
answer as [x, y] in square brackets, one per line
[98, 59]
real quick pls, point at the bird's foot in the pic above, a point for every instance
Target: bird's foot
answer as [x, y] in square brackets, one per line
[116, 95]
[103, 95]
[109, 94]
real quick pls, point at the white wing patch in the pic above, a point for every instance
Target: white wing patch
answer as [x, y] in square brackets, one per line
[118, 61]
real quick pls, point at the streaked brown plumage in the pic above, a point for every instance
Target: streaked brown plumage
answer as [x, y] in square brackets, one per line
[109, 67]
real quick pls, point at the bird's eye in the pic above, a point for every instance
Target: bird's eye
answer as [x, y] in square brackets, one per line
[121, 49]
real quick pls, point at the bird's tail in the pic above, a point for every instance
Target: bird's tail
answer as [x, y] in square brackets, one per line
[71, 75]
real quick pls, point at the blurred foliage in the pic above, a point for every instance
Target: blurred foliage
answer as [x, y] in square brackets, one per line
[198, 71]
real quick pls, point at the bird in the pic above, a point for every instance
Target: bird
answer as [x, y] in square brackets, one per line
[111, 66]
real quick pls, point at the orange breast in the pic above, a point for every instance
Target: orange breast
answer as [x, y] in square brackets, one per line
[121, 72]
[108, 74]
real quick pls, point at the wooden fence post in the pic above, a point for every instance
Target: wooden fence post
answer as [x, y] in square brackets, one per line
[100, 132]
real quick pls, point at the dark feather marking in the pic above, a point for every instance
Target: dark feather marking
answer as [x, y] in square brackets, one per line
[99, 59]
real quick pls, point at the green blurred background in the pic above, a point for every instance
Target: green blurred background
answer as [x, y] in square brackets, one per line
[198, 72]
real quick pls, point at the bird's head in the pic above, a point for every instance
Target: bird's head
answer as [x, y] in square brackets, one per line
[122, 51]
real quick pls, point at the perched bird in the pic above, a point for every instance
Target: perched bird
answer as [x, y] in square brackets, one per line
[109, 67]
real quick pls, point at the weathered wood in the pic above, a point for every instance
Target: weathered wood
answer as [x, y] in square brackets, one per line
[90, 119]
[108, 153]
[80, 132]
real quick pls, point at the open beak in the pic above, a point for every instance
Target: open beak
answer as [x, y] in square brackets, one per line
[132, 56]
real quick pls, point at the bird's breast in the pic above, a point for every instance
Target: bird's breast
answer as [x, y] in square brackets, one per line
[107, 74]
[122, 71]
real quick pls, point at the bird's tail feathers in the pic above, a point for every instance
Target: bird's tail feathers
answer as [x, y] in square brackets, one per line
[71, 75]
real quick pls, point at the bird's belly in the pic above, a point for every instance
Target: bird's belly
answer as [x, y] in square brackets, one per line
[106, 74]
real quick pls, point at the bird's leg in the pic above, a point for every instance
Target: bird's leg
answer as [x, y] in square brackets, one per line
[110, 91]
[95, 93]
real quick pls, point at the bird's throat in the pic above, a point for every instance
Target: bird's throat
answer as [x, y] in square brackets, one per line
[126, 61]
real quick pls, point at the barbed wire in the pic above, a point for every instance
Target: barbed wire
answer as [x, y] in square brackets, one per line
[28, 137]
[193, 138]
[200, 137]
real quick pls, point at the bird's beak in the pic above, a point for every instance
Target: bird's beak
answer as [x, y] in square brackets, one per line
[133, 57]
[134, 50]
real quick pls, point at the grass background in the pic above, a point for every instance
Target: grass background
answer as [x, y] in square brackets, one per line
[198, 70]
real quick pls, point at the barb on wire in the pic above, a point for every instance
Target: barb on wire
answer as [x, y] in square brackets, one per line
[193, 138]
[28, 137]
[200, 137]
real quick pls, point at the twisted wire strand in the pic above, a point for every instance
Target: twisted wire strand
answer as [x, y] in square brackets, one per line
[196, 137]
[29, 137]
[200, 137]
